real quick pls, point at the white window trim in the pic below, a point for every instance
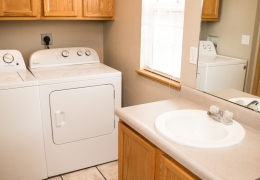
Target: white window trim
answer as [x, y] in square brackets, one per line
[159, 6]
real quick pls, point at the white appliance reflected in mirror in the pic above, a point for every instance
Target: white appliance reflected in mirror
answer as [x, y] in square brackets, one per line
[228, 79]
[219, 72]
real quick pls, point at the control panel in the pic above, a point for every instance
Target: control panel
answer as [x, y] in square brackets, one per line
[207, 48]
[63, 56]
[11, 60]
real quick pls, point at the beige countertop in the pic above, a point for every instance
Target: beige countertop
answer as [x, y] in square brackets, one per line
[239, 162]
[232, 93]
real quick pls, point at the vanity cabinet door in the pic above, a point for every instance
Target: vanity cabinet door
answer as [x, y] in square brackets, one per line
[60, 8]
[139, 159]
[136, 156]
[210, 10]
[98, 8]
[14, 8]
[169, 169]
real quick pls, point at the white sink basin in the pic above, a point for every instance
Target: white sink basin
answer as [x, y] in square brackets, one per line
[196, 129]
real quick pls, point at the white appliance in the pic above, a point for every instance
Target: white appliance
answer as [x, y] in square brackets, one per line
[78, 97]
[22, 154]
[217, 72]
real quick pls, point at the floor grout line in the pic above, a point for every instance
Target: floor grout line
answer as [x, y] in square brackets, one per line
[101, 173]
[83, 169]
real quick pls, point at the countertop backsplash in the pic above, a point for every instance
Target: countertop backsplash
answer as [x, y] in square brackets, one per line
[241, 114]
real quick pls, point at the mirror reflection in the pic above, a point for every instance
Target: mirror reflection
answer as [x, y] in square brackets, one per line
[229, 53]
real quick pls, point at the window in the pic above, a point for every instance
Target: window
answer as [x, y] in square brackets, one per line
[161, 37]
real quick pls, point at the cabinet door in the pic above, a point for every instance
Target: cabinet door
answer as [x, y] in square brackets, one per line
[210, 10]
[14, 8]
[136, 156]
[60, 8]
[169, 169]
[98, 8]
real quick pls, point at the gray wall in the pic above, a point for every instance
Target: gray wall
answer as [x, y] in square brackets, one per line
[122, 51]
[120, 41]
[25, 36]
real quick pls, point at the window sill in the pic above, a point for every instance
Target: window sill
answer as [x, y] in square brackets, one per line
[166, 81]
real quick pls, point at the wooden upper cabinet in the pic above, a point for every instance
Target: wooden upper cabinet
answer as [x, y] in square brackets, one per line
[57, 9]
[210, 10]
[16, 8]
[98, 8]
[60, 8]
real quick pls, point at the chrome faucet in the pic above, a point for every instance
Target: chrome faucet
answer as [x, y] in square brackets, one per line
[253, 105]
[254, 102]
[224, 117]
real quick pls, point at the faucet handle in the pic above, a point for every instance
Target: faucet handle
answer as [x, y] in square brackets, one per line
[227, 117]
[214, 109]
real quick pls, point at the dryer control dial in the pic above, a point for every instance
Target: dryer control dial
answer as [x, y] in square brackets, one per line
[8, 58]
[87, 52]
[65, 53]
[80, 53]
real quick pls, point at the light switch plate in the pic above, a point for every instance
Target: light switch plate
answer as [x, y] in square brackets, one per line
[245, 39]
[193, 55]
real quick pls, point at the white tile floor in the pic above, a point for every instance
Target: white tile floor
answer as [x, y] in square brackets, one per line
[108, 171]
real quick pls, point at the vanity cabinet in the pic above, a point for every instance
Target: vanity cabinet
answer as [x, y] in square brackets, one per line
[139, 159]
[14, 8]
[169, 169]
[210, 10]
[57, 9]
[136, 155]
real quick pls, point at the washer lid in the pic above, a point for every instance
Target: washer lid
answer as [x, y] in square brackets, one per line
[16, 79]
[10, 77]
[206, 61]
[74, 73]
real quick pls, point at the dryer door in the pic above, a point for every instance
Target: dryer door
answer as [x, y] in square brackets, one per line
[82, 113]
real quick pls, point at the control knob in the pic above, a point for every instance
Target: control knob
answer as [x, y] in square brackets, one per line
[65, 53]
[80, 53]
[87, 52]
[8, 58]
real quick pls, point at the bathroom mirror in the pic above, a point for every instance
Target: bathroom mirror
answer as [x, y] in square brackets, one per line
[235, 35]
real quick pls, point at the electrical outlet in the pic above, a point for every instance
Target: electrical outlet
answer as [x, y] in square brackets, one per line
[44, 35]
[193, 55]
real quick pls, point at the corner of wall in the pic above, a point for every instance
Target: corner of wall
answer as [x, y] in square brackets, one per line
[190, 39]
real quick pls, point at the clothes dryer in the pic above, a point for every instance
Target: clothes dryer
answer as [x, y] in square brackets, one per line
[22, 155]
[216, 72]
[78, 97]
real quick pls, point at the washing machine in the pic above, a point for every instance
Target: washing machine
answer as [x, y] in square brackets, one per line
[78, 96]
[22, 155]
[216, 72]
